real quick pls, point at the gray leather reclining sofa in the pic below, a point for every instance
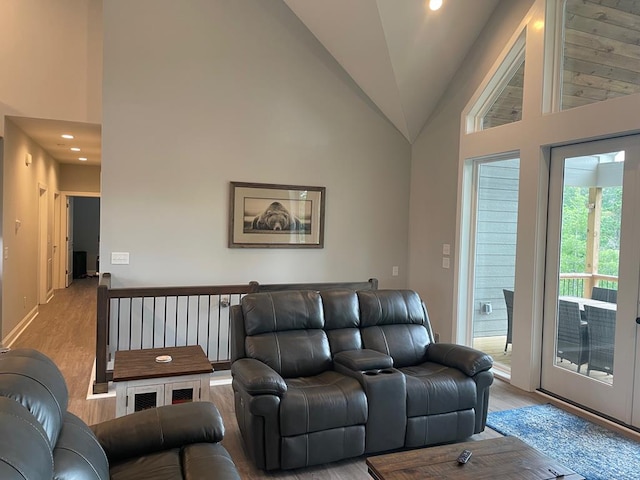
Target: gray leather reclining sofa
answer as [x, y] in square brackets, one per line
[40, 440]
[323, 376]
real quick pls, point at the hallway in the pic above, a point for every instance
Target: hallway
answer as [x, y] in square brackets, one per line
[65, 330]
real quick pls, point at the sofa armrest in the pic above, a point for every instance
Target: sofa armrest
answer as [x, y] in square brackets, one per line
[465, 359]
[363, 359]
[158, 429]
[258, 378]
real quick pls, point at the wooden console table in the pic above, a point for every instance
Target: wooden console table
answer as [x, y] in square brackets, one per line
[495, 458]
[143, 383]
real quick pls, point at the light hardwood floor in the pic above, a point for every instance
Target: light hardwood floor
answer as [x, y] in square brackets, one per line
[65, 331]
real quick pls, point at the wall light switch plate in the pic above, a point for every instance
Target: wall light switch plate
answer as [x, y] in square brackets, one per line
[446, 249]
[445, 262]
[119, 258]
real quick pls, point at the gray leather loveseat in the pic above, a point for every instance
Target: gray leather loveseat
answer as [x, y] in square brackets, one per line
[40, 440]
[323, 376]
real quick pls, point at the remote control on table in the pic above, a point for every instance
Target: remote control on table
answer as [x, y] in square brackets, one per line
[464, 457]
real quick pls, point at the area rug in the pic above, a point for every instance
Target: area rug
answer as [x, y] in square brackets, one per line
[593, 451]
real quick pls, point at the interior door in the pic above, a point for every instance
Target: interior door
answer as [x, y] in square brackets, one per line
[69, 276]
[592, 276]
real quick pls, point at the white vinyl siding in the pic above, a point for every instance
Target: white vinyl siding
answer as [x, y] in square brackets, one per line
[497, 217]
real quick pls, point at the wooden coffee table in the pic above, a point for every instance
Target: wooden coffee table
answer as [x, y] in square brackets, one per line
[504, 458]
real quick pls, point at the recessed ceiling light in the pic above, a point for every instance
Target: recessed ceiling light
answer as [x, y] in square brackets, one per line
[82, 159]
[435, 4]
[74, 149]
[67, 136]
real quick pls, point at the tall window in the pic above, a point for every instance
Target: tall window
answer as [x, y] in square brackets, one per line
[507, 107]
[501, 101]
[496, 220]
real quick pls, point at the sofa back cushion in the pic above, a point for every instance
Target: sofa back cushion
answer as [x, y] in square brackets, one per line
[293, 353]
[32, 379]
[285, 331]
[395, 322]
[78, 454]
[341, 319]
[405, 343]
[390, 307]
[25, 451]
[278, 311]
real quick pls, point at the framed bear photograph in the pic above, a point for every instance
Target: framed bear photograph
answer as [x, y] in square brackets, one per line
[263, 215]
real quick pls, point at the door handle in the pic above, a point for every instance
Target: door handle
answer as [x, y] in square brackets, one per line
[638, 320]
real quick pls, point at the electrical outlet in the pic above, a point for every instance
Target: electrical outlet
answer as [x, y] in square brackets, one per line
[394, 271]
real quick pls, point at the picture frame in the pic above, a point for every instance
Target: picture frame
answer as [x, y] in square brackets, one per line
[264, 215]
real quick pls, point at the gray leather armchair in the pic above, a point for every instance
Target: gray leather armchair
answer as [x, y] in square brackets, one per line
[323, 376]
[39, 439]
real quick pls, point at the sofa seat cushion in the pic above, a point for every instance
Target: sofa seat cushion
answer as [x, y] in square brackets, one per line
[433, 389]
[195, 461]
[208, 460]
[164, 465]
[325, 401]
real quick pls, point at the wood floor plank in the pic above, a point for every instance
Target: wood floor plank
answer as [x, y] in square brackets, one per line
[65, 331]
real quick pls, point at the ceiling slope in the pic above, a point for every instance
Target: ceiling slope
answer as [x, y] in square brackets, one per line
[400, 53]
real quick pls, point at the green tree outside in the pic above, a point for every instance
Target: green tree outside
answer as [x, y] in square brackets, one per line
[575, 214]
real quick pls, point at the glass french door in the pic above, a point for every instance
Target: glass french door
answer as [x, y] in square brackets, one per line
[590, 341]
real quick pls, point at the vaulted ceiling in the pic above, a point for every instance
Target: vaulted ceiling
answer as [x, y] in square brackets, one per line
[400, 53]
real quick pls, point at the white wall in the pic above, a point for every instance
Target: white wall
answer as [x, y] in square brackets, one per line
[79, 178]
[20, 199]
[434, 171]
[51, 59]
[199, 93]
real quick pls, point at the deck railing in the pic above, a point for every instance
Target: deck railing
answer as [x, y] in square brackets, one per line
[580, 284]
[156, 317]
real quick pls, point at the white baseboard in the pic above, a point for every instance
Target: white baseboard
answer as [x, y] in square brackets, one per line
[13, 335]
